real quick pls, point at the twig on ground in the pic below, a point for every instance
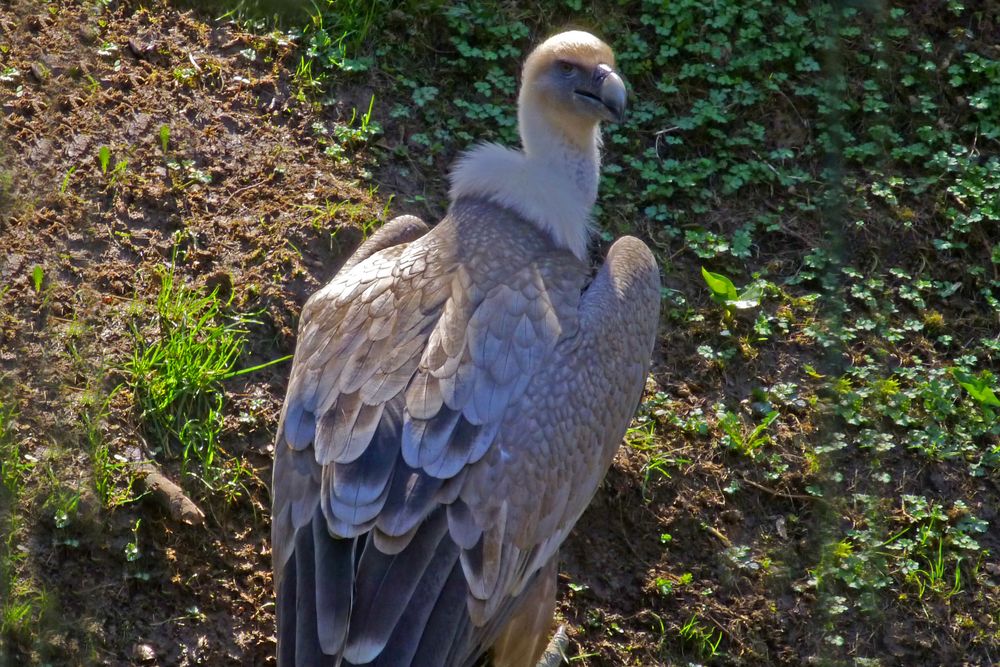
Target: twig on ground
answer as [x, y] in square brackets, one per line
[171, 496]
[718, 534]
[782, 494]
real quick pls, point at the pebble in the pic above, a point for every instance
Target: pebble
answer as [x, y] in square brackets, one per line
[143, 653]
[89, 34]
[40, 72]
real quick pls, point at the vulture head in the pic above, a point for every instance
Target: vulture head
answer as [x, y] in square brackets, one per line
[568, 87]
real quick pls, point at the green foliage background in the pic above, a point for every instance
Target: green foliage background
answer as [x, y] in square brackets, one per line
[841, 163]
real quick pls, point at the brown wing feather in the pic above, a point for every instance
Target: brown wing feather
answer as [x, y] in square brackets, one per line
[296, 476]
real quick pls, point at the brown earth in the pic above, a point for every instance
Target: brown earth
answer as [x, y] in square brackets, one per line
[249, 213]
[199, 595]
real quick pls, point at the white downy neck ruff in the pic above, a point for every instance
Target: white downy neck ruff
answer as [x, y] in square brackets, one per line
[551, 183]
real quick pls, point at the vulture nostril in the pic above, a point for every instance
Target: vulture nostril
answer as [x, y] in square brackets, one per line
[601, 72]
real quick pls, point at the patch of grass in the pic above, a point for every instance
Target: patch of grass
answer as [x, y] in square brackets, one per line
[22, 602]
[745, 439]
[257, 14]
[112, 474]
[23, 611]
[348, 138]
[176, 373]
[336, 30]
[13, 467]
[703, 638]
[644, 437]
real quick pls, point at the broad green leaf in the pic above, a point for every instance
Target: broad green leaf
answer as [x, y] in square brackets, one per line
[750, 298]
[722, 287]
[978, 388]
[982, 394]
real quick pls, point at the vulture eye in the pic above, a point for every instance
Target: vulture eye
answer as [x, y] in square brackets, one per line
[566, 69]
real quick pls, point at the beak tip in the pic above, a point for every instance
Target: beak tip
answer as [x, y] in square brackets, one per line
[615, 96]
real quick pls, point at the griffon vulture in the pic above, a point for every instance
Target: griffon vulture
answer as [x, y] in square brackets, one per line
[456, 397]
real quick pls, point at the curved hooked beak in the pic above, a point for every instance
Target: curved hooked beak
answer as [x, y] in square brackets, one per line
[607, 92]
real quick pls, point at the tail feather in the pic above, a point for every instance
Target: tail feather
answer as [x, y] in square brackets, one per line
[334, 577]
[385, 585]
[307, 648]
[435, 597]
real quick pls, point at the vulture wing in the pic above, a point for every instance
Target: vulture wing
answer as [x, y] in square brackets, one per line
[454, 402]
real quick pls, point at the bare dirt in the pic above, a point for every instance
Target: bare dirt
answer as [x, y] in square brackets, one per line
[198, 595]
[244, 208]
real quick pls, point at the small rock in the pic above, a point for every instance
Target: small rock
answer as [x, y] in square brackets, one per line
[140, 46]
[732, 516]
[40, 71]
[89, 34]
[143, 653]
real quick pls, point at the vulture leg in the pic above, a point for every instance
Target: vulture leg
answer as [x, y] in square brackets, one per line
[523, 640]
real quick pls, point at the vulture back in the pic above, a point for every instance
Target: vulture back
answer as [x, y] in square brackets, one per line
[455, 400]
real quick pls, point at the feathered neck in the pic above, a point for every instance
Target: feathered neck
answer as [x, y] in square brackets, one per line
[552, 182]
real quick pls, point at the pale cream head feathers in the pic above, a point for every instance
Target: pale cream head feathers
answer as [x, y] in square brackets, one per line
[568, 87]
[561, 81]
